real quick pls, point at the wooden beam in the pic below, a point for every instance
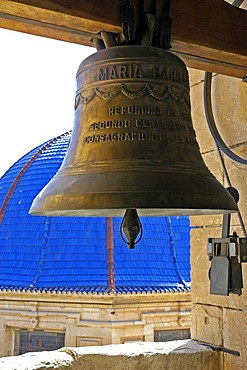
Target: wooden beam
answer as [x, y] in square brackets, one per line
[208, 34]
[212, 36]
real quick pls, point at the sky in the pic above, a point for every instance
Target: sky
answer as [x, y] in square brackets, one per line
[37, 91]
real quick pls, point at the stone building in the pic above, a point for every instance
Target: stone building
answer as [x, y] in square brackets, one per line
[220, 320]
[69, 281]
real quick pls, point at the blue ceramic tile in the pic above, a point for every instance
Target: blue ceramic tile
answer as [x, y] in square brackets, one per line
[70, 253]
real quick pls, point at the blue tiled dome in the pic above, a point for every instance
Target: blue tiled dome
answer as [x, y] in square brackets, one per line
[70, 253]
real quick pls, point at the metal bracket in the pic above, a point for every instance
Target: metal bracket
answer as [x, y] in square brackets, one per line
[232, 247]
[227, 255]
[128, 20]
[143, 31]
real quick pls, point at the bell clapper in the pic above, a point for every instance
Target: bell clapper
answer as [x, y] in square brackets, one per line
[131, 227]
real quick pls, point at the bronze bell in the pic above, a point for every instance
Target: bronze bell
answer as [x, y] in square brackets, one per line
[133, 145]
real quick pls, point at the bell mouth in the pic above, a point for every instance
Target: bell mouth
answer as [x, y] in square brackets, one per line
[120, 212]
[162, 195]
[133, 145]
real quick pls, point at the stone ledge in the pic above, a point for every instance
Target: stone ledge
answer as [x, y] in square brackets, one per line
[185, 354]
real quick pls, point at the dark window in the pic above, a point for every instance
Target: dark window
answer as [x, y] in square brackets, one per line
[39, 340]
[168, 335]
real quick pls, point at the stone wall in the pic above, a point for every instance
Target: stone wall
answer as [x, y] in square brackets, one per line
[217, 319]
[186, 355]
[91, 319]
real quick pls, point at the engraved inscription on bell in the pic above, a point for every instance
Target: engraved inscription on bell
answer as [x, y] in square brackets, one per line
[135, 109]
[133, 145]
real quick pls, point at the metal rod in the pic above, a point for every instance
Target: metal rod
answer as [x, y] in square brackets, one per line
[167, 7]
[110, 255]
[220, 348]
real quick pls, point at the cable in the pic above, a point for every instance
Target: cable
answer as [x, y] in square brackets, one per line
[209, 112]
[218, 140]
[220, 144]
[237, 3]
[230, 185]
[211, 122]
